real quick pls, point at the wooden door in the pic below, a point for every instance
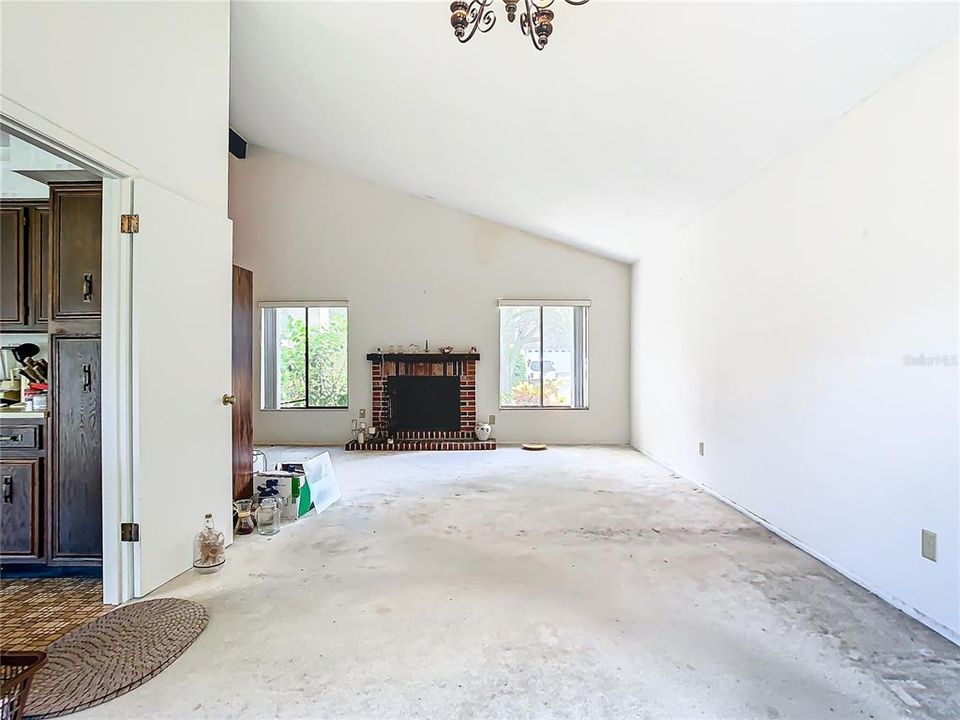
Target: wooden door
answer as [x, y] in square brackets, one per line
[76, 238]
[20, 527]
[39, 272]
[12, 275]
[242, 414]
[76, 478]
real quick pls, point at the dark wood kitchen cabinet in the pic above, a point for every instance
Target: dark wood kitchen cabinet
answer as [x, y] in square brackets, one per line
[52, 468]
[20, 528]
[24, 265]
[75, 518]
[76, 239]
[12, 273]
[21, 490]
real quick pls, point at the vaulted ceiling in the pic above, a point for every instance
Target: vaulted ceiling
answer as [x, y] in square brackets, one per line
[636, 117]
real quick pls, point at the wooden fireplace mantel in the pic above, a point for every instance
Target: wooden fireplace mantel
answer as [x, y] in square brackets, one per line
[421, 357]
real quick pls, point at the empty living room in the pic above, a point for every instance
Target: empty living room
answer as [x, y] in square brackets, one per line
[545, 359]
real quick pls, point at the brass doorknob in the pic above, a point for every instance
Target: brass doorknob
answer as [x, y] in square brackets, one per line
[229, 399]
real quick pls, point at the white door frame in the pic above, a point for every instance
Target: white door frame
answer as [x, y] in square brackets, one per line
[116, 330]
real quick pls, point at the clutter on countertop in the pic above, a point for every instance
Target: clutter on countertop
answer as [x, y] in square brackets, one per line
[25, 385]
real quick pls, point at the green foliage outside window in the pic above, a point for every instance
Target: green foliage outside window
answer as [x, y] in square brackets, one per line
[327, 357]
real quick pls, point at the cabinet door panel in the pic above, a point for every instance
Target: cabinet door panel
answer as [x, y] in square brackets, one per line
[39, 265]
[11, 267]
[76, 242]
[76, 482]
[20, 507]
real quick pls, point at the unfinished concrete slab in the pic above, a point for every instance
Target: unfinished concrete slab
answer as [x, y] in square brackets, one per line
[572, 583]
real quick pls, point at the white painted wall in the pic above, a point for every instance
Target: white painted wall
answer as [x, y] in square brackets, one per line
[147, 82]
[415, 270]
[774, 329]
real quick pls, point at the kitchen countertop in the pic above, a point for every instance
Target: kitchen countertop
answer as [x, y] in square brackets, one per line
[21, 413]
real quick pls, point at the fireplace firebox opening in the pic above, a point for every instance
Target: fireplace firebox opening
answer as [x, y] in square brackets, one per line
[420, 402]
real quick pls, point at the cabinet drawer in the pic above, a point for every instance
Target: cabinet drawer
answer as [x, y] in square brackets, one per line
[20, 437]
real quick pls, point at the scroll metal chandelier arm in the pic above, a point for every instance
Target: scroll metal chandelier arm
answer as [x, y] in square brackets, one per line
[467, 19]
[537, 22]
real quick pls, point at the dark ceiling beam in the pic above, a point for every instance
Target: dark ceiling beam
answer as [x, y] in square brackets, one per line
[238, 146]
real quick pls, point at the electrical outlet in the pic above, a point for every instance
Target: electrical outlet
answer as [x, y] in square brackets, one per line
[363, 412]
[492, 419]
[701, 448]
[928, 544]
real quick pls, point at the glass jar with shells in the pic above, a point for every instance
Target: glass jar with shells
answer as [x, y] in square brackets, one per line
[208, 555]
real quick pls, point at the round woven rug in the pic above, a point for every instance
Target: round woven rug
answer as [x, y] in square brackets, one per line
[113, 654]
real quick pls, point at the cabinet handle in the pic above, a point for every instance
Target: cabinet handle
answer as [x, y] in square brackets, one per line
[87, 377]
[11, 438]
[88, 287]
[8, 489]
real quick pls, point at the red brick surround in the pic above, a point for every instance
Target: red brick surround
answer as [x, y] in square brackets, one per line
[463, 365]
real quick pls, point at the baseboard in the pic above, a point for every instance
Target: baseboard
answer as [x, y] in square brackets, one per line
[519, 443]
[892, 600]
[513, 444]
[318, 443]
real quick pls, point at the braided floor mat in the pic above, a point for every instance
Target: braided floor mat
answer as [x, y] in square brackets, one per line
[113, 654]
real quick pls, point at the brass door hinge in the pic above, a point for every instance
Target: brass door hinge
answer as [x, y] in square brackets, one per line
[129, 223]
[129, 532]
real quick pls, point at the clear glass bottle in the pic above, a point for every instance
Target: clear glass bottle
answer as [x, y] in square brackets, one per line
[268, 516]
[208, 555]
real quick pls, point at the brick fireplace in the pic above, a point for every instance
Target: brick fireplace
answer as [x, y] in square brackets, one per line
[416, 403]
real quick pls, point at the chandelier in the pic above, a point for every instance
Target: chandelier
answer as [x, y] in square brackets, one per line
[536, 22]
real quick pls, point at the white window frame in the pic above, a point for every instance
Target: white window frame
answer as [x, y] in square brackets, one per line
[586, 304]
[306, 304]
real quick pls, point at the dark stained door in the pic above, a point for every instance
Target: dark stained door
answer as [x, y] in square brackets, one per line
[242, 383]
[75, 508]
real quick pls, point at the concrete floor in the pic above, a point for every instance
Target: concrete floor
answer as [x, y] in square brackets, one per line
[572, 583]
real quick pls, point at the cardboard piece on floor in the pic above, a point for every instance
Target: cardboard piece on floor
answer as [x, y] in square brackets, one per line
[324, 489]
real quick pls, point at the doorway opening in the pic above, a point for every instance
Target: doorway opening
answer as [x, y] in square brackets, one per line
[53, 539]
[57, 307]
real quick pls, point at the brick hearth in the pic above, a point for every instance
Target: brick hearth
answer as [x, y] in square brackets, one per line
[399, 445]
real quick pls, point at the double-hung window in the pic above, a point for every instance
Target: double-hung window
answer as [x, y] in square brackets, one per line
[543, 353]
[303, 361]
